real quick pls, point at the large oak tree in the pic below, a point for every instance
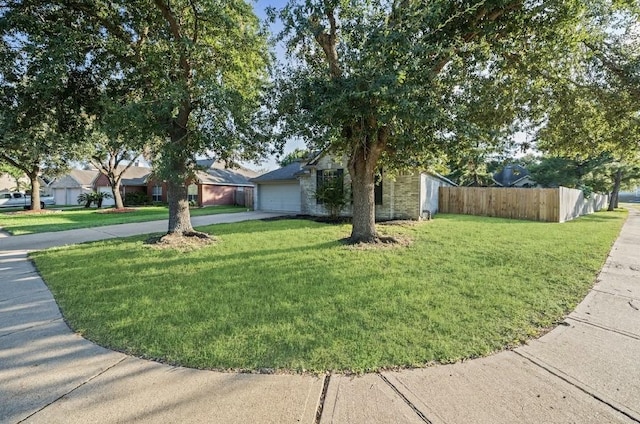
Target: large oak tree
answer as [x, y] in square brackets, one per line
[391, 82]
[197, 68]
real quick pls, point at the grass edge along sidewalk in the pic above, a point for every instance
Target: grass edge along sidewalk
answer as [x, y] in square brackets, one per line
[20, 223]
[287, 295]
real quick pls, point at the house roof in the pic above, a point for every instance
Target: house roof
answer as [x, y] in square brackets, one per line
[217, 174]
[286, 173]
[510, 175]
[76, 178]
[205, 163]
[442, 178]
[136, 176]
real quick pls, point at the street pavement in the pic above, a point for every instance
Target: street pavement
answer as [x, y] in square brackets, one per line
[586, 370]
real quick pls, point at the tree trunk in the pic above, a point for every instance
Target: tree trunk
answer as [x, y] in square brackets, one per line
[362, 167]
[617, 181]
[117, 197]
[179, 214]
[35, 192]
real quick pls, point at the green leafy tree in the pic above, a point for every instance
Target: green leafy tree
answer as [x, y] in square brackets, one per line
[595, 113]
[392, 83]
[333, 196]
[16, 174]
[41, 119]
[293, 156]
[197, 69]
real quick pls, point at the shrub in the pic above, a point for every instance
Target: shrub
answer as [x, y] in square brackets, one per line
[136, 199]
[333, 195]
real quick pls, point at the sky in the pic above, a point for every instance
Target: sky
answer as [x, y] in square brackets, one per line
[259, 7]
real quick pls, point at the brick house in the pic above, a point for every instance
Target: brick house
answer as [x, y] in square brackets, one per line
[213, 185]
[410, 195]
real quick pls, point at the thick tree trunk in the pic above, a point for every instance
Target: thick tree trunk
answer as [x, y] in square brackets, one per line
[179, 214]
[35, 192]
[362, 167]
[617, 181]
[117, 197]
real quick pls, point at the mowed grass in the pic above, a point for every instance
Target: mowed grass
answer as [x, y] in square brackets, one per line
[71, 219]
[288, 295]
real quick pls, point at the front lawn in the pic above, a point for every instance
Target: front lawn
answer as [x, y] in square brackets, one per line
[54, 219]
[288, 295]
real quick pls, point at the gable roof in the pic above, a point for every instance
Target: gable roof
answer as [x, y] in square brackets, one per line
[510, 175]
[217, 174]
[136, 176]
[76, 178]
[286, 173]
[205, 163]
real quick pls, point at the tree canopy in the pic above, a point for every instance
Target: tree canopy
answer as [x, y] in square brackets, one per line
[190, 73]
[398, 83]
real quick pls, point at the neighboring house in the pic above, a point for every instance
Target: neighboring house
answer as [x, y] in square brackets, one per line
[8, 183]
[217, 185]
[514, 176]
[291, 189]
[213, 185]
[134, 180]
[68, 187]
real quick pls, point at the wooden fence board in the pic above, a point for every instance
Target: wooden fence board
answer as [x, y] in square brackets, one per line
[534, 204]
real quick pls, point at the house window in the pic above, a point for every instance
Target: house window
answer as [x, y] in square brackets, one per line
[156, 193]
[377, 192]
[324, 175]
[192, 193]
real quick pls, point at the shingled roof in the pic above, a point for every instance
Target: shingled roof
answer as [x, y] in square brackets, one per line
[286, 173]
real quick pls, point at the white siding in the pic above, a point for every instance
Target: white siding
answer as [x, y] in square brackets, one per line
[66, 196]
[110, 201]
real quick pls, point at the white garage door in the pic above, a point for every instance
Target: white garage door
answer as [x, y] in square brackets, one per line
[281, 197]
[66, 196]
[109, 201]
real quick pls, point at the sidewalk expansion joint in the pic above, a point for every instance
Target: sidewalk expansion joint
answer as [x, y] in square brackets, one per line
[31, 327]
[569, 381]
[604, 327]
[72, 390]
[323, 398]
[407, 401]
[616, 294]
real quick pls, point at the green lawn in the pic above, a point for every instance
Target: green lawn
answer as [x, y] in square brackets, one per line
[70, 219]
[288, 295]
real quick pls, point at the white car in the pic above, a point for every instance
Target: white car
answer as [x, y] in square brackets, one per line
[22, 200]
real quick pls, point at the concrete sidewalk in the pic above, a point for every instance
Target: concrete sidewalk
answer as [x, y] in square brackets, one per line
[585, 371]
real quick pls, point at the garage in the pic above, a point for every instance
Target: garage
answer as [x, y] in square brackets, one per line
[279, 197]
[107, 201]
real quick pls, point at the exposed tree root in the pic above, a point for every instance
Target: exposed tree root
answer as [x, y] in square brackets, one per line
[187, 241]
[378, 242]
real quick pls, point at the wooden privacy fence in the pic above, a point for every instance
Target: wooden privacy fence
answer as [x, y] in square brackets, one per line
[534, 204]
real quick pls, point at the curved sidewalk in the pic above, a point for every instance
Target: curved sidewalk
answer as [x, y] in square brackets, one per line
[584, 371]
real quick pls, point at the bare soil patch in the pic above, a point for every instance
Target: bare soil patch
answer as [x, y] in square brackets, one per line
[186, 242]
[380, 242]
[32, 212]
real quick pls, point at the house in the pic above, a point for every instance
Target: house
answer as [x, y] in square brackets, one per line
[68, 187]
[514, 176]
[8, 183]
[134, 180]
[213, 185]
[291, 189]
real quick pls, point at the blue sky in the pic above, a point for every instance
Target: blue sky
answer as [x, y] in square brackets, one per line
[259, 7]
